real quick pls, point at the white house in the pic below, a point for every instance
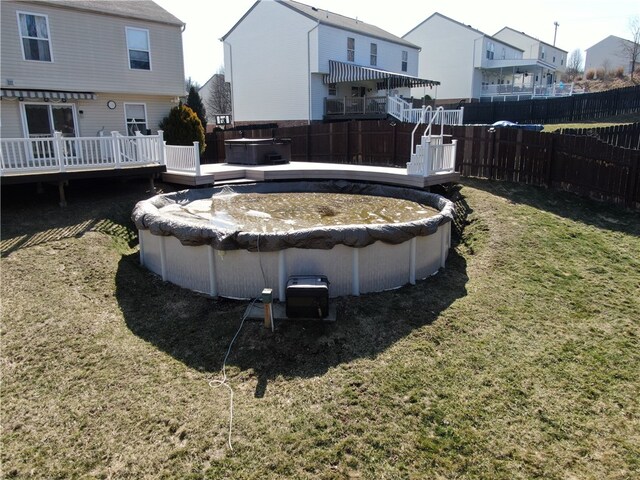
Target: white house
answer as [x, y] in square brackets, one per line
[290, 63]
[551, 60]
[472, 65]
[609, 53]
[83, 67]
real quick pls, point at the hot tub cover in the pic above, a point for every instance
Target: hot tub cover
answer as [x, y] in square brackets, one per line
[147, 216]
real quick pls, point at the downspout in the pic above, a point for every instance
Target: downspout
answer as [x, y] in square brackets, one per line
[309, 87]
[233, 98]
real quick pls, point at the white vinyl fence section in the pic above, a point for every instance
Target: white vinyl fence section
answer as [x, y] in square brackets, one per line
[405, 112]
[433, 156]
[59, 154]
[183, 158]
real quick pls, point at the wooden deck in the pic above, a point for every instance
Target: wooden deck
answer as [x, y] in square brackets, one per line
[218, 173]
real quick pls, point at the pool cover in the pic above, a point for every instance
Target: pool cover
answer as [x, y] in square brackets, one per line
[147, 216]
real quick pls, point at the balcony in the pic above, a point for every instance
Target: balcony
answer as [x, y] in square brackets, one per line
[510, 92]
[362, 108]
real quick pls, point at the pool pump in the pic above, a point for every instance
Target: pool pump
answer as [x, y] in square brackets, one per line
[307, 296]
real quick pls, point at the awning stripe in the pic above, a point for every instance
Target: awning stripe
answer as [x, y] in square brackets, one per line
[340, 72]
[43, 94]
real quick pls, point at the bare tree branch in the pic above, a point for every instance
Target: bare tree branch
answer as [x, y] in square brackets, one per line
[631, 49]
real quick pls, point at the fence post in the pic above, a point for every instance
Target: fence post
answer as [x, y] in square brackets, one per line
[116, 149]
[490, 149]
[454, 151]
[632, 179]
[162, 153]
[461, 116]
[58, 150]
[550, 155]
[196, 157]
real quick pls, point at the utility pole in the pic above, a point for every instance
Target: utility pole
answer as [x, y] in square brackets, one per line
[555, 32]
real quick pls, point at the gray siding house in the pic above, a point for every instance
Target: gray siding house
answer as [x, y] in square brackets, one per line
[85, 67]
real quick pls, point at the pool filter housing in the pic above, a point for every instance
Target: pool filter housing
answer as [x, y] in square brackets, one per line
[307, 296]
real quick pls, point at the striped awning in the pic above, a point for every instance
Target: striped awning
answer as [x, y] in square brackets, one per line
[340, 72]
[46, 94]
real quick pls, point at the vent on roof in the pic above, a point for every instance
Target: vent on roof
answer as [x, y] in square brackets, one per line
[314, 9]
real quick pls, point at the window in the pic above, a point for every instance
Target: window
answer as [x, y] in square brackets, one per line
[138, 47]
[490, 50]
[542, 52]
[136, 114]
[34, 32]
[351, 49]
[42, 120]
[554, 59]
[405, 60]
[333, 90]
[562, 60]
[374, 54]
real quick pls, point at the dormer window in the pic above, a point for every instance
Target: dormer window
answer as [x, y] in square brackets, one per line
[34, 33]
[351, 49]
[138, 47]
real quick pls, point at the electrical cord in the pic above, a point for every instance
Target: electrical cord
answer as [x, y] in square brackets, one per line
[264, 277]
[217, 383]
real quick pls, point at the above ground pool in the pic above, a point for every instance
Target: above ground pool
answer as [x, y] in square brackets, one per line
[235, 241]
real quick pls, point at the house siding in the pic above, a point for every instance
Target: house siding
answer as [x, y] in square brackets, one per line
[532, 48]
[449, 52]
[89, 53]
[95, 114]
[608, 53]
[333, 46]
[267, 62]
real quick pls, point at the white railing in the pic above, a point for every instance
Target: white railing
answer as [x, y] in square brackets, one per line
[405, 112]
[183, 158]
[58, 153]
[530, 91]
[433, 157]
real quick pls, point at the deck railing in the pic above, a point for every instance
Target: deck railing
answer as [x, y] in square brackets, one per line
[432, 156]
[354, 107]
[559, 89]
[59, 153]
[183, 158]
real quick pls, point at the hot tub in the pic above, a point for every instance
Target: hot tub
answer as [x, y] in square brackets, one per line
[222, 261]
[257, 151]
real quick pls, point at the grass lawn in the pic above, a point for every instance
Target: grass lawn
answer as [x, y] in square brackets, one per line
[597, 123]
[520, 360]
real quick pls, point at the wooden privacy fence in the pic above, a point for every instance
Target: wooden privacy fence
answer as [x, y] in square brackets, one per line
[627, 136]
[579, 164]
[373, 142]
[586, 106]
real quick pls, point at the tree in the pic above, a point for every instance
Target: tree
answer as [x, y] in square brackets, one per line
[218, 96]
[183, 127]
[575, 64]
[194, 102]
[631, 49]
[190, 82]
